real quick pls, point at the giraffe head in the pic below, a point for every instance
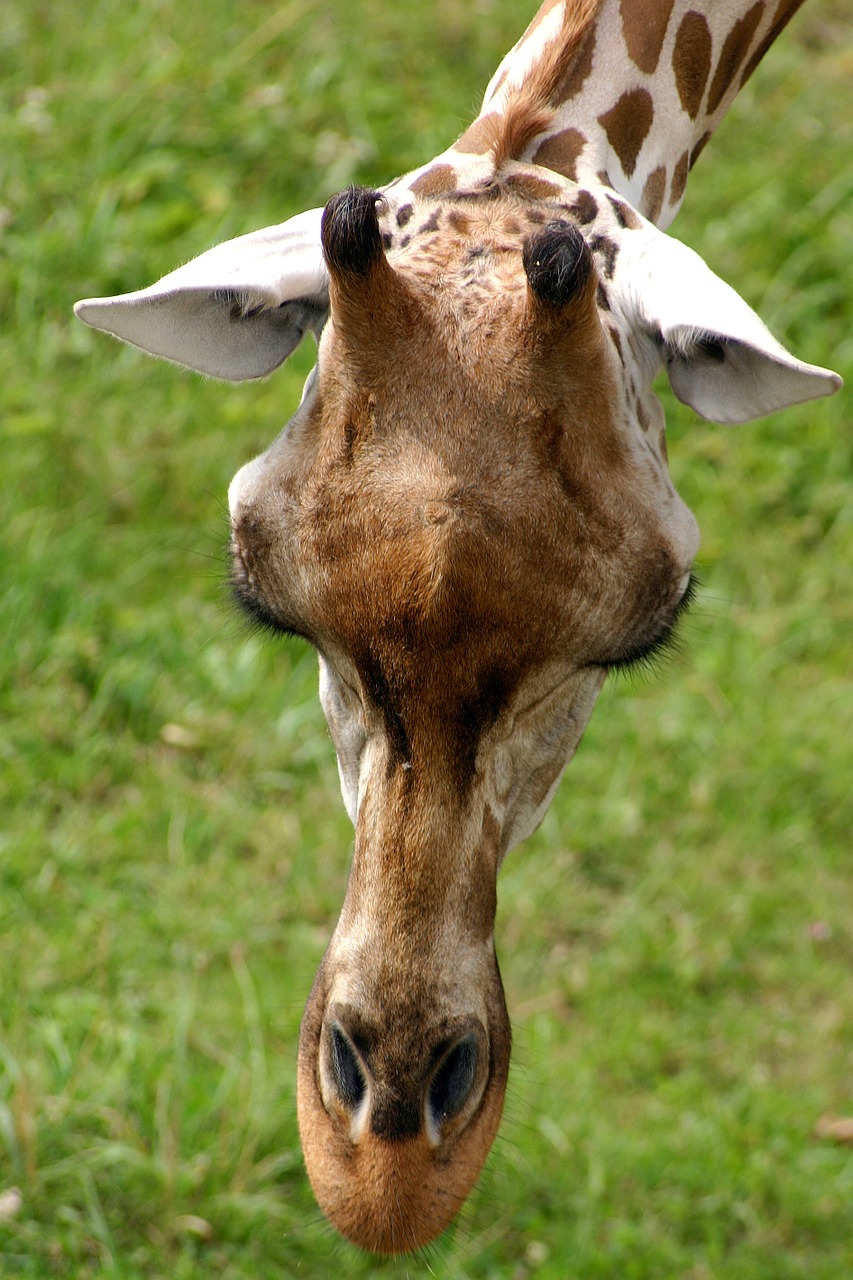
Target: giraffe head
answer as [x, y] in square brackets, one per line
[470, 517]
[433, 520]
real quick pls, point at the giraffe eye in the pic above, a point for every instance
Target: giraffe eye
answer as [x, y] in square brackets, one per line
[646, 650]
[558, 262]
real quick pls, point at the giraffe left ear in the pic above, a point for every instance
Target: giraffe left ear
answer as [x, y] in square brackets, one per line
[236, 311]
[721, 358]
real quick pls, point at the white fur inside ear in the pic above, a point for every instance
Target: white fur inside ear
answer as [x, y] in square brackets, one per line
[721, 358]
[235, 312]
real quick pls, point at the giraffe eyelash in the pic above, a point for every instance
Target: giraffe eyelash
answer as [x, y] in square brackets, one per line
[646, 656]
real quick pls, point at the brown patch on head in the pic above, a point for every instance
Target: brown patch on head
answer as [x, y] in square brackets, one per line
[644, 24]
[561, 152]
[781, 18]
[654, 190]
[459, 222]
[691, 61]
[679, 178]
[627, 125]
[440, 180]
[404, 215]
[531, 187]
[625, 215]
[607, 251]
[601, 298]
[735, 49]
[585, 207]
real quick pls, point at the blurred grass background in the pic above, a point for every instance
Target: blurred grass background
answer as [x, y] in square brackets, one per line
[676, 941]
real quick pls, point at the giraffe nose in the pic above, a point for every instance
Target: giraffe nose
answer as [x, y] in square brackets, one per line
[393, 1099]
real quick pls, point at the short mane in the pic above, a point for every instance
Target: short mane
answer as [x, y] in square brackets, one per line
[530, 107]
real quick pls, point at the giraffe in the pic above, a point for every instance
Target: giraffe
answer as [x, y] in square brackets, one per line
[470, 517]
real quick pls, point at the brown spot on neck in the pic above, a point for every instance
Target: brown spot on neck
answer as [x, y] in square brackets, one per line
[561, 152]
[644, 24]
[679, 178]
[627, 124]
[783, 15]
[700, 147]
[734, 51]
[691, 61]
[651, 201]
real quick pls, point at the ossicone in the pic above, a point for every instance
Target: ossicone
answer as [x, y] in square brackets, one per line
[558, 263]
[352, 241]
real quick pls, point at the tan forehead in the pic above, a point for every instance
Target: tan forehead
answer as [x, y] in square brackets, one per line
[446, 233]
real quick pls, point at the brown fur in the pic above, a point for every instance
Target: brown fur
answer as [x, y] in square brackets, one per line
[691, 61]
[644, 25]
[470, 518]
[733, 53]
[413, 523]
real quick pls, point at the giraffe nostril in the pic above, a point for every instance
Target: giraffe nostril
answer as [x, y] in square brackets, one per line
[346, 1070]
[453, 1081]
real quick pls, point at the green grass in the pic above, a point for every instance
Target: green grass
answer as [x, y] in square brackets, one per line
[676, 941]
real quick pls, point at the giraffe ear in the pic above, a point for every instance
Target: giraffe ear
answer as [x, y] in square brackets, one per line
[235, 312]
[721, 358]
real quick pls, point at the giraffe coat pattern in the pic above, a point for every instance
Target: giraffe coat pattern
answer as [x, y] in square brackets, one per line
[471, 518]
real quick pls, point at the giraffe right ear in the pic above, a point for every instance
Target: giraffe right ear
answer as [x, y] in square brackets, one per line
[235, 312]
[721, 358]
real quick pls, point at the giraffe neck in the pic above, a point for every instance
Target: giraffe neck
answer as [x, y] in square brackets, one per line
[624, 92]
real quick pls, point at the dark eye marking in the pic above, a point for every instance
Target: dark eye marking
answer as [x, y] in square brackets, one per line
[644, 654]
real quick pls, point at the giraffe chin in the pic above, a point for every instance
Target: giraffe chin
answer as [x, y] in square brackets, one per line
[393, 1195]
